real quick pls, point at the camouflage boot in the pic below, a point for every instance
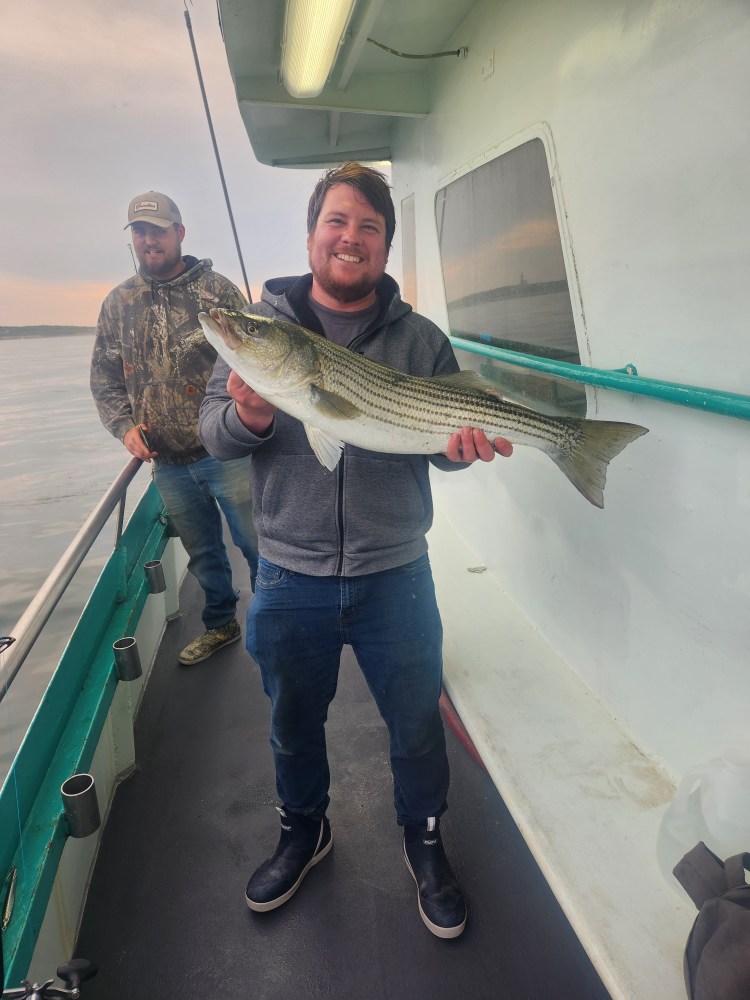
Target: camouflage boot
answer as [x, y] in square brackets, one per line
[211, 640]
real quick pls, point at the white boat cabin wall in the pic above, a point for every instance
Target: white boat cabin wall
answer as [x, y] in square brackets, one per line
[639, 109]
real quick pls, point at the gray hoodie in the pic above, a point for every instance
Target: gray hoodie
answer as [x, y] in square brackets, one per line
[373, 511]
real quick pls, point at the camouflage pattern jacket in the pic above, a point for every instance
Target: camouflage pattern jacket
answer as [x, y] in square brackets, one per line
[151, 362]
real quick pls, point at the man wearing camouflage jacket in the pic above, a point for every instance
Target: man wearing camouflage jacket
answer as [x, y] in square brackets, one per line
[149, 371]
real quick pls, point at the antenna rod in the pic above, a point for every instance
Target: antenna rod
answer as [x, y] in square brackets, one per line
[216, 152]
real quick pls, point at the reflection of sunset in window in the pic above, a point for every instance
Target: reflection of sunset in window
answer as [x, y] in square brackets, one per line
[502, 258]
[504, 274]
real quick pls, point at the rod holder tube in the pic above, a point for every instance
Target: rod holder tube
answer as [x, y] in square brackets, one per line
[80, 805]
[127, 658]
[155, 576]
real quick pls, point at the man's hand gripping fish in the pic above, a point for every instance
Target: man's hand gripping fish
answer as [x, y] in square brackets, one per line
[342, 397]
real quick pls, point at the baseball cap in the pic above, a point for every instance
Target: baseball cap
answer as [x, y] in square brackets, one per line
[155, 208]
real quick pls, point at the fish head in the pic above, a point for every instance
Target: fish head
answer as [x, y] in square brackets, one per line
[217, 329]
[228, 329]
[263, 351]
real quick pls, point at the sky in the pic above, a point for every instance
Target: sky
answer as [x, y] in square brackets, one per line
[99, 102]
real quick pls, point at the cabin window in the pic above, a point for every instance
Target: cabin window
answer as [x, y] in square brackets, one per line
[409, 251]
[504, 273]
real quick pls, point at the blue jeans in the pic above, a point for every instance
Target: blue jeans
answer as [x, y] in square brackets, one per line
[296, 628]
[191, 494]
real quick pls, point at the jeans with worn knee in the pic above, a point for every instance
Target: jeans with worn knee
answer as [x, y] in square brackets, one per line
[193, 495]
[296, 628]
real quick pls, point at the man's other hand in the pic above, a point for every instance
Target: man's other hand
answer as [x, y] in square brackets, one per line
[472, 445]
[136, 445]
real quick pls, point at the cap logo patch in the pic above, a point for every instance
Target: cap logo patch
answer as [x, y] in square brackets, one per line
[145, 206]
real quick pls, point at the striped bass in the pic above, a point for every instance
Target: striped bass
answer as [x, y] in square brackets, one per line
[342, 397]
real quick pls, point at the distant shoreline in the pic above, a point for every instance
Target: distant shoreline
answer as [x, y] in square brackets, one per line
[25, 332]
[524, 289]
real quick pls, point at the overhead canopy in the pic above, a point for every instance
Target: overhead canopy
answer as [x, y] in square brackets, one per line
[367, 89]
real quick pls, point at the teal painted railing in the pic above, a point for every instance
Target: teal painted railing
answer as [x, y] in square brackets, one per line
[627, 379]
[65, 730]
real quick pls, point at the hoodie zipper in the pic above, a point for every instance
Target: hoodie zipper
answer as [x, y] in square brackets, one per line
[340, 469]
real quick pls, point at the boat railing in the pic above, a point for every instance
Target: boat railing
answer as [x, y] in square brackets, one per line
[84, 721]
[626, 379]
[29, 626]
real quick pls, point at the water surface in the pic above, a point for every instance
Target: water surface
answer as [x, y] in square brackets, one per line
[56, 461]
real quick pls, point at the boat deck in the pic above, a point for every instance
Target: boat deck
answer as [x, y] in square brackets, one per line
[166, 915]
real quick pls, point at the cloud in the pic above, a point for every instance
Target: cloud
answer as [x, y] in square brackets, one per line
[100, 102]
[532, 234]
[38, 302]
[114, 42]
[532, 247]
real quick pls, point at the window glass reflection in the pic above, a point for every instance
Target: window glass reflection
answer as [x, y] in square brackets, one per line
[504, 273]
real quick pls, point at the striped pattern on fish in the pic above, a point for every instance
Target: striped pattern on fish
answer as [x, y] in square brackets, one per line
[342, 397]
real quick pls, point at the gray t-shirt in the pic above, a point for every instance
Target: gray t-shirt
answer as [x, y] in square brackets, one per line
[343, 327]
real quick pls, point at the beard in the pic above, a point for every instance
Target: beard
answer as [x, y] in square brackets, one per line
[343, 291]
[160, 266]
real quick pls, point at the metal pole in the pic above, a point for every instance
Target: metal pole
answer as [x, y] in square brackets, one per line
[216, 151]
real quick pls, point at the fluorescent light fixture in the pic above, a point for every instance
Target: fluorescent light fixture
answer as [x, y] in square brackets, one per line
[312, 34]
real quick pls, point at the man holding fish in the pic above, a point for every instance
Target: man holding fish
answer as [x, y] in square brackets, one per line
[343, 548]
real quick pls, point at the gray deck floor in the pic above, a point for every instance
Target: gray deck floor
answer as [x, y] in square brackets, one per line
[166, 916]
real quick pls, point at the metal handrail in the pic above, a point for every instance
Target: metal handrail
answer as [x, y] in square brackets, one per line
[35, 617]
[627, 379]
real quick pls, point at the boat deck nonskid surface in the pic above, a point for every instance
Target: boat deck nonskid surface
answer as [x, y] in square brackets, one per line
[166, 915]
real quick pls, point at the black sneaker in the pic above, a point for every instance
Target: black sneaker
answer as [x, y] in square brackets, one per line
[303, 843]
[441, 904]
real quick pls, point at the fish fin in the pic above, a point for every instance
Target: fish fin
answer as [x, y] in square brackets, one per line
[328, 404]
[327, 448]
[586, 465]
[467, 380]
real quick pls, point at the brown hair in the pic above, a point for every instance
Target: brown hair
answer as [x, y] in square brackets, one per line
[370, 183]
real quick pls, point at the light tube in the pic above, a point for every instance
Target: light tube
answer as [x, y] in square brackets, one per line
[312, 34]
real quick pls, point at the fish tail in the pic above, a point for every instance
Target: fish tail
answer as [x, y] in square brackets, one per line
[585, 464]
